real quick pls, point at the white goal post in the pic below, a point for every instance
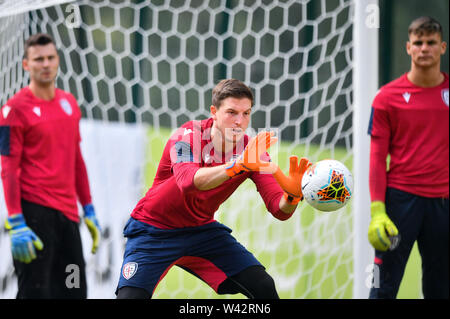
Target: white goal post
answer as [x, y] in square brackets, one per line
[365, 86]
[139, 69]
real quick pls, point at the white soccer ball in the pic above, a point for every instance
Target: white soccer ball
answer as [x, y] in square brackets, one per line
[327, 185]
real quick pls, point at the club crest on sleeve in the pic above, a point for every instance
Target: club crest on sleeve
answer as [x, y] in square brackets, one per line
[129, 269]
[445, 96]
[65, 105]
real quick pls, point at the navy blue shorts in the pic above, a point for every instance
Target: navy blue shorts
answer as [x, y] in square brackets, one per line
[426, 221]
[208, 252]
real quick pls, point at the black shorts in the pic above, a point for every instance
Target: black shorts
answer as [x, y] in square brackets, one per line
[422, 219]
[59, 269]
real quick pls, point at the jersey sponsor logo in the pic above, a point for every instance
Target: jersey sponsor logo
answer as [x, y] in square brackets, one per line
[5, 111]
[407, 96]
[129, 269]
[444, 94]
[37, 110]
[65, 105]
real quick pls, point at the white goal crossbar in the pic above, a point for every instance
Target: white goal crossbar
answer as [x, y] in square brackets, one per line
[13, 7]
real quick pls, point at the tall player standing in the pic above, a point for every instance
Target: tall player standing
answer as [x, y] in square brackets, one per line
[410, 122]
[199, 169]
[43, 173]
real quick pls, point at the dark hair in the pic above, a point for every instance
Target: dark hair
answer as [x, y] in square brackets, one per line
[36, 39]
[425, 25]
[230, 88]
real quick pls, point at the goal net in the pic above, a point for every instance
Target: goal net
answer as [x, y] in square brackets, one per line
[151, 66]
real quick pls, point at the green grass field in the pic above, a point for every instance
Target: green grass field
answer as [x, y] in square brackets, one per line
[309, 256]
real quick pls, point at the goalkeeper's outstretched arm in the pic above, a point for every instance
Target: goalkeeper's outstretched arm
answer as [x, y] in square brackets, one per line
[287, 206]
[206, 178]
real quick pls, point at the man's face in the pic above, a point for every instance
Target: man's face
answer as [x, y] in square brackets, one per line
[232, 118]
[42, 63]
[425, 49]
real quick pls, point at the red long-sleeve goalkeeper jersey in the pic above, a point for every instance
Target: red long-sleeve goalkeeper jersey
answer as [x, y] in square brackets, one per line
[41, 159]
[173, 201]
[411, 124]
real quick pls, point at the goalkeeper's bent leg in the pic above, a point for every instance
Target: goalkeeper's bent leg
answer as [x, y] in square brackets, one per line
[253, 282]
[133, 293]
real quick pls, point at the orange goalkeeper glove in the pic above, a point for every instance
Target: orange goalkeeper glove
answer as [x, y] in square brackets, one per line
[250, 159]
[292, 184]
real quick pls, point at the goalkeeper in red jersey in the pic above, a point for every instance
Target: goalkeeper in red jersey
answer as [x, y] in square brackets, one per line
[43, 174]
[203, 163]
[410, 122]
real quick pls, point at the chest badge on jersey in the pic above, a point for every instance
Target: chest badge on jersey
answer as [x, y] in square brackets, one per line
[37, 111]
[407, 96]
[65, 105]
[444, 94]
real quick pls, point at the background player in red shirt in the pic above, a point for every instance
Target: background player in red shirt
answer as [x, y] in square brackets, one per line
[200, 168]
[410, 122]
[43, 173]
